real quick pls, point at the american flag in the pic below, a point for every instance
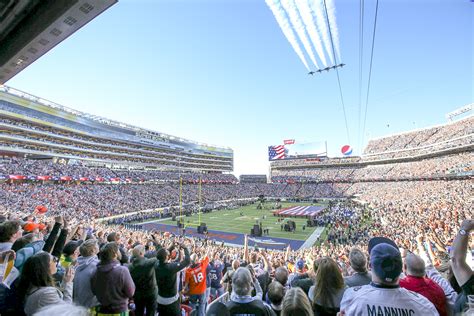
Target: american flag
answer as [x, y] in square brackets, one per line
[276, 152]
[301, 211]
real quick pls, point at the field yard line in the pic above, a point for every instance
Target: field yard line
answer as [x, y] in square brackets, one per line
[312, 239]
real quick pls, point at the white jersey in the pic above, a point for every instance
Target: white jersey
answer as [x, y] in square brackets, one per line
[371, 300]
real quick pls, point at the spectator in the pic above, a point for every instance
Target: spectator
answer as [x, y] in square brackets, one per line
[10, 231]
[328, 289]
[217, 309]
[358, 263]
[303, 281]
[23, 241]
[215, 269]
[242, 302]
[86, 268]
[142, 271]
[281, 275]
[417, 281]
[296, 303]
[167, 281]
[227, 278]
[115, 237]
[70, 254]
[276, 293]
[112, 284]
[384, 293]
[195, 281]
[463, 273]
[300, 270]
[63, 309]
[37, 286]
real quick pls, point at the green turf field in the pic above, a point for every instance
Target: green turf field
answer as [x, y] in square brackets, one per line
[231, 221]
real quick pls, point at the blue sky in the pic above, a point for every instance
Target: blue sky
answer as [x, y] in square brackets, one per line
[222, 72]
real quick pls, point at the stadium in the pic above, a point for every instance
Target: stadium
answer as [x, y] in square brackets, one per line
[102, 217]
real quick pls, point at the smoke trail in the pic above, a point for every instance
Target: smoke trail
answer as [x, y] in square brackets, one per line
[285, 26]
[333, 24]
[318, 11]
[295, 19]
[308, 19]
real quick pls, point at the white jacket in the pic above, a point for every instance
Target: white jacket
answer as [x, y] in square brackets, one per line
[372, 300]
[40, 297]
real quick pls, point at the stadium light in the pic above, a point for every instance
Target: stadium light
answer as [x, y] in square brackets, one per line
[465, 109]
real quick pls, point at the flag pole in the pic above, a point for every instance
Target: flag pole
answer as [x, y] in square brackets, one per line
[200, 198]
[181, 199]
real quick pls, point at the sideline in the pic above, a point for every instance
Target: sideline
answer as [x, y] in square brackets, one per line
[312, 238]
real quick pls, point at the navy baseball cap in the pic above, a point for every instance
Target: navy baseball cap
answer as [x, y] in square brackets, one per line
[300, 264]
[385, 259]
[380, 240]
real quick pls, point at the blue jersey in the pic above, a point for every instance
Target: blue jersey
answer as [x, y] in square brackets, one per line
[214, 271]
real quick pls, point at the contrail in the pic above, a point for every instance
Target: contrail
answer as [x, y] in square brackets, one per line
[285, 26]
[306, 14]
[333, 24]
[295, 19]
[318, 11]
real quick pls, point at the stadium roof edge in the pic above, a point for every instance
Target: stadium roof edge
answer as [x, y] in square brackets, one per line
[42, 101]
[31, 28]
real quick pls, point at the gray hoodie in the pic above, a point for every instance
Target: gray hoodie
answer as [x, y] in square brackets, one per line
[82, 294]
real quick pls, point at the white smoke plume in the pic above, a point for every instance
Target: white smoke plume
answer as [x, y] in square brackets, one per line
[334, 31]
[285, 26]
[295, 19]
[310, 22]
[317, 8]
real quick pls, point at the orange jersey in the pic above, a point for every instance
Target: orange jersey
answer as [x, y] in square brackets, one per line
[196, 277]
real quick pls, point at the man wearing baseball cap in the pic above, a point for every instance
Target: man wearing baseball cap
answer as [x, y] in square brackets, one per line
[384, 296]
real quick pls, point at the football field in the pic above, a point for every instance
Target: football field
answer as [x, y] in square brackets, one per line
[241, 220]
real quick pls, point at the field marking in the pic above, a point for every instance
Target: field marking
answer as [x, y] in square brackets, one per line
[240, 225]
[312, 239]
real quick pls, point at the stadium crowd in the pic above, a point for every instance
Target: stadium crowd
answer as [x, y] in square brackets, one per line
[395, 248]
[92, 201]
[422, 218]
[109, 270]
[424, 137]
[425, 168]
[30, 167]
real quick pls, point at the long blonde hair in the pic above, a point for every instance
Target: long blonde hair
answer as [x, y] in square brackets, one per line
[296, 303]
[328, 281]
